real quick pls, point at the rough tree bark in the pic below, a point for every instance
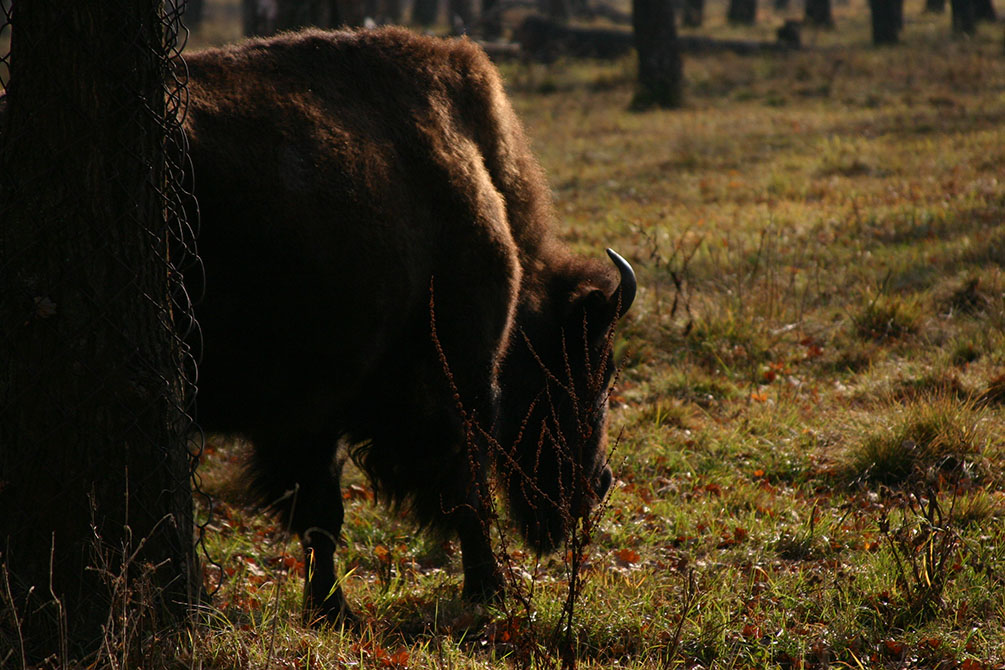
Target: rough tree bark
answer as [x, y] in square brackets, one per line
[93, 459]
[743, 12]
[661, 70]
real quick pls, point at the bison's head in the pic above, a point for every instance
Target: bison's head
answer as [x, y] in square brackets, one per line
[552, 431]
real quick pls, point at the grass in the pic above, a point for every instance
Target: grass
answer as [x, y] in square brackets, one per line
[808, 416]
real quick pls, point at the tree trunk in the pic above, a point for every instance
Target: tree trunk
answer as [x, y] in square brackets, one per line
[557, 10]
[491, 24]
[984, 10]
[661, 70]
[964, 17]
[294, 14]
[886, 21]
[258, 17]
[818, 13]
[694, 13]
[193, 13]
[935, 6]
[461, 14]
[392, 11]
[425, 12]
[743, 12]
[93, 462]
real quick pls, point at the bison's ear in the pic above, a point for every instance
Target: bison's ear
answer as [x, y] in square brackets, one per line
[593, 307]
[603, 307]
[596, 303]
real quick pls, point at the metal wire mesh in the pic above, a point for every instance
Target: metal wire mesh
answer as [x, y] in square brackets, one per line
[153, 376]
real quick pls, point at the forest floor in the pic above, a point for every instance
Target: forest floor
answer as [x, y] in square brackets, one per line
[808, 430]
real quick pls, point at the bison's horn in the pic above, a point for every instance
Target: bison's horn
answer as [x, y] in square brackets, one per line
[628, 285]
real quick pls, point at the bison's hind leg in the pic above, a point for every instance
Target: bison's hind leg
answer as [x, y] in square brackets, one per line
[295, 477]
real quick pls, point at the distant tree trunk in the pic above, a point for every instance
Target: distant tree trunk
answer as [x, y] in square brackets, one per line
[258, 17]
[559, 10]
[781, 5]
[964, 17]
[353, 13]
[661, 70]
[93, 458]
[886, 19]
[425, 12]
[935, 6]
[462, 14]
[743, 12]
[491, 23]
[694, 13]
[818, 13]
[291, 14]
[193, 13]
[984, 10]
[392, 11]
[294, 14]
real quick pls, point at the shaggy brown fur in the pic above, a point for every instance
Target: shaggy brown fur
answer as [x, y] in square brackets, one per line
[382, 272]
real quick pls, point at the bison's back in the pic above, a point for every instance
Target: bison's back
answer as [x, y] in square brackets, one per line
[339, 176]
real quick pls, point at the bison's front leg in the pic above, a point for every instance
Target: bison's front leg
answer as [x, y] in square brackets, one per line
[323, 598]
[483, 580]
[302, 486]
[319, 522]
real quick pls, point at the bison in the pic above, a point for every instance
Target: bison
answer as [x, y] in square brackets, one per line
[382, 274]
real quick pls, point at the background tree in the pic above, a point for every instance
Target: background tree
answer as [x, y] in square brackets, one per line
[661, 70]
[887, 18]
[984, 10]
[425, 12]
[491, 19]
[694, 13]
[743, 12]
[964, 16]
[95, 499]
[461, 14]
[818, 13]
[559, 10]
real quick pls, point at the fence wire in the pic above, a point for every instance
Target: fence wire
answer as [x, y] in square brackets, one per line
[170, 243]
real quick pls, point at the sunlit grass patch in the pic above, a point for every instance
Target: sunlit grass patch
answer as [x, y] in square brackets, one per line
[887, 318]
[927, 437]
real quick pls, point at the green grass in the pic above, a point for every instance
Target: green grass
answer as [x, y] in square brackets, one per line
[816, 358]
